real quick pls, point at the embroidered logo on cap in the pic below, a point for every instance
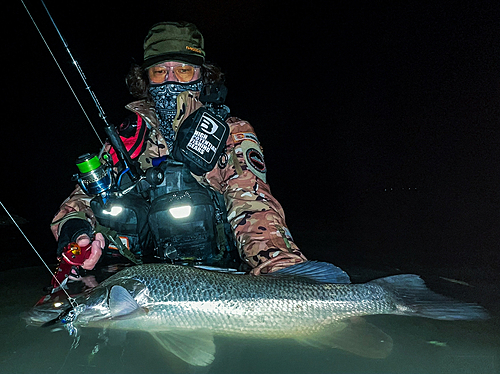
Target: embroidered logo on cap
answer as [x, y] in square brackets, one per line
[194, 49]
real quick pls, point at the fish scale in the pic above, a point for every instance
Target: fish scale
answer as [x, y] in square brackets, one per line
[183, 308]
[228, 304]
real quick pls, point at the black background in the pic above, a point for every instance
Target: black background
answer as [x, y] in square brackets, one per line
[379, 120]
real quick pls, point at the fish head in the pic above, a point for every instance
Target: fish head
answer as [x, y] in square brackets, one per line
[89, 308]
[53, 309]
[99, 306]
[46, 310]
[92, 307]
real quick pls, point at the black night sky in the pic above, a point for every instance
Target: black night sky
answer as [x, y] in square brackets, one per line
[379, 119]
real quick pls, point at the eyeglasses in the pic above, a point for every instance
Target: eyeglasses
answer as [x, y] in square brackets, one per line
[183, 73]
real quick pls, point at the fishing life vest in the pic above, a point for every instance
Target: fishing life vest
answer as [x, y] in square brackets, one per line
[175, 218]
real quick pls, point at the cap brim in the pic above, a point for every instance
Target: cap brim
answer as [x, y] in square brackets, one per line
[180, 57]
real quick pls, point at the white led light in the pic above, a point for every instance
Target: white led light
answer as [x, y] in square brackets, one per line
[114, 211]
[182, 211]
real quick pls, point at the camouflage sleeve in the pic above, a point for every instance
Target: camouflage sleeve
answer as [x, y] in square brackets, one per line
[135, 136]
[256, 217]
[78, 201]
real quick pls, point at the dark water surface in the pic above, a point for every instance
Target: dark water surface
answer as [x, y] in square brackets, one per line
[420, 345]
[384, 157]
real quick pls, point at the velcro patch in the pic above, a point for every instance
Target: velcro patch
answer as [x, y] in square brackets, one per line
[254, 159]
[240, 136]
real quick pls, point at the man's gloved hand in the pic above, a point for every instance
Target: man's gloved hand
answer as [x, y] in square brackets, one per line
[79, 231]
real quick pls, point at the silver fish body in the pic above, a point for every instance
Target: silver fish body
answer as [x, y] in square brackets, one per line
[227, 304]
[177, 304]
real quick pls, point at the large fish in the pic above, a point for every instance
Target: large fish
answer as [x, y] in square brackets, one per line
[183, 308]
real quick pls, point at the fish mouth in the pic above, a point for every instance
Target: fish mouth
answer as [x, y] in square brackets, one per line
[41, 314]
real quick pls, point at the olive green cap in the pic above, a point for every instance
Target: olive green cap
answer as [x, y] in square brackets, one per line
[173, 41]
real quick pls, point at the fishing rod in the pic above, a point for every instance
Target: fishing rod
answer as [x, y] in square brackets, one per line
[133, 170]
[78, 68]
[130, 167]
[61, 284]
[62, 72]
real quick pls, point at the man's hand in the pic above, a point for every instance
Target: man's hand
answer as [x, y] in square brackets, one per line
[95, 251]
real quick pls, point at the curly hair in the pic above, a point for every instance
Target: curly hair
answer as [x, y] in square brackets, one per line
[137, 79]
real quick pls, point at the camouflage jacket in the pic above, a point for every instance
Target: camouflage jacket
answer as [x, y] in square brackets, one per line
[256, 217]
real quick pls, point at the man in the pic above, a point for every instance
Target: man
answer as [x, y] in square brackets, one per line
[169, 83]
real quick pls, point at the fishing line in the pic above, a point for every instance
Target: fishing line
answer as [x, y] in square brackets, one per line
[94, 98]
[101, 112]
[109, 129]
[70, 299]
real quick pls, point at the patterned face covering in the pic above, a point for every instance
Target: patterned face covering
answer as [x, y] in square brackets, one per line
[165, 98]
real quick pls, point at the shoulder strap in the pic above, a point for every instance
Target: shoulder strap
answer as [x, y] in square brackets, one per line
[133, 133]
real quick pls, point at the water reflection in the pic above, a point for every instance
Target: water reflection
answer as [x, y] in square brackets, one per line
[420, 345]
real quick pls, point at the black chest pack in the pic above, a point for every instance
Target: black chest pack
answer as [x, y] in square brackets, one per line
[179, 220]
[169, 214]
[201, 138]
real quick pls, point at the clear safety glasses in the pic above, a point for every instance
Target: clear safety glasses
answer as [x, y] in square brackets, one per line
[181, 72]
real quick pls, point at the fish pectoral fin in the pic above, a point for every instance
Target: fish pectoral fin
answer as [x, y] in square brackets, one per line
[121, 303]
[194, 347]
[353, 335]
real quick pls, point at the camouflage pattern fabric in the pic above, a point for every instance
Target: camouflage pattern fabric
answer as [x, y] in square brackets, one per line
[256, 217]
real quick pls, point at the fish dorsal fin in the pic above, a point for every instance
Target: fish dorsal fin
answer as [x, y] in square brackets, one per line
[353, 335]
[314, 271]
[121, 302]
[194, 347]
